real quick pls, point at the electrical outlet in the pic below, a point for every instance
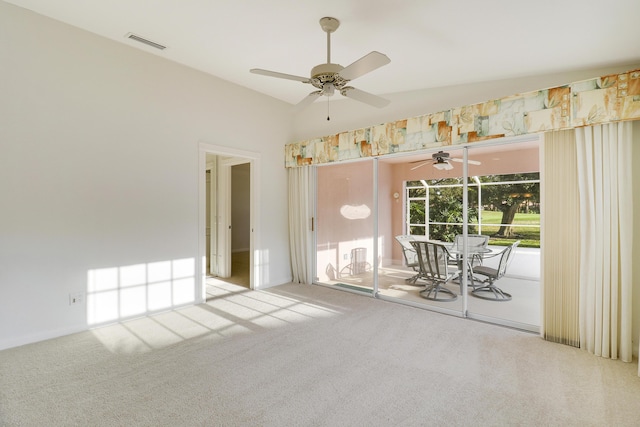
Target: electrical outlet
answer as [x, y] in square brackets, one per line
[345, 257]
[76, 298]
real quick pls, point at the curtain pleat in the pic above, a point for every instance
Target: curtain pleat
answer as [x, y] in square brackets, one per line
[299, 223]
[560, 239]
[606, 227]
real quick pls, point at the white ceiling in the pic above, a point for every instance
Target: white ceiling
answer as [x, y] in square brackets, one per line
[431, 43]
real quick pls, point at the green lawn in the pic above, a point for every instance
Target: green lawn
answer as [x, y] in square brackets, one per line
[529, 236]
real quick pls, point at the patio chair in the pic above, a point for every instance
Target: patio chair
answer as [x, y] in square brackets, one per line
[477, 245]
[432, 258]
[358, 264]
[489, 290]
[410, 256]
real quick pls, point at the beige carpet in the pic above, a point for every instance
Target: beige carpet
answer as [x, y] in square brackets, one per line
[240, 270]
[301, 355]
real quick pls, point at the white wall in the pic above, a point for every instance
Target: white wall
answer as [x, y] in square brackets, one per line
[99, 171]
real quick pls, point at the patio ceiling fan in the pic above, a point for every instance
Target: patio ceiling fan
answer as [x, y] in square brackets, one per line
[329, 78]
[440, 161]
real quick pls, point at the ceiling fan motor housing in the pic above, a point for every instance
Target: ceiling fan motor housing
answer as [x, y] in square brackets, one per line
[327, 73]
[440, 156]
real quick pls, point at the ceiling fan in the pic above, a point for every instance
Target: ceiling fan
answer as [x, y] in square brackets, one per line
[440, 161]
[328, 78]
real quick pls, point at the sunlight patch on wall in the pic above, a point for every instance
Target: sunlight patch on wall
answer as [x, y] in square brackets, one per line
[116, 293]
[260, 267]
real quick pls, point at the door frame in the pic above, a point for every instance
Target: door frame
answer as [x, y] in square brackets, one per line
[241, 156]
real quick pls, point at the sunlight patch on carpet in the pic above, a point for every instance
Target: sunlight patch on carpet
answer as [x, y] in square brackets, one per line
[229, 311]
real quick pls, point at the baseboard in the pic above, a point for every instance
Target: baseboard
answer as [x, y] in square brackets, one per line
[277, 282]
[47, 335]
[40, 336]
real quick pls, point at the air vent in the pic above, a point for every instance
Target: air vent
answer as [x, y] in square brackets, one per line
[145, 41]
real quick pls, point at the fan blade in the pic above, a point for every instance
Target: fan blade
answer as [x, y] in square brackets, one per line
[471, 162]
[366, 97]
[307, 100]
[419, 166]
[364, 65]
[279, 75]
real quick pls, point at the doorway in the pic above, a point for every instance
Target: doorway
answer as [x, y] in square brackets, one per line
[228, 218]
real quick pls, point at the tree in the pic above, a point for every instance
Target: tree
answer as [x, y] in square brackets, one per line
[508, 198]
[445, 207]
[417, 216]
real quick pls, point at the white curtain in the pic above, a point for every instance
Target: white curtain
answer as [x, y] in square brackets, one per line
[560, 235]
[300, 223]
[606, 229]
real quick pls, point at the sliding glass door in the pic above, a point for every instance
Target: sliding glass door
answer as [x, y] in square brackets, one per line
[504, 196]
[345, 243]
[420, 202]
[368, 212]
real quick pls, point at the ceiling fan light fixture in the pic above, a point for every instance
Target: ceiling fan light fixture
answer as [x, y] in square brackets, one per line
[329, 89]
[442, 165]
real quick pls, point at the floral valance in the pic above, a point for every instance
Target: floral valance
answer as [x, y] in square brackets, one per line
[600, 100]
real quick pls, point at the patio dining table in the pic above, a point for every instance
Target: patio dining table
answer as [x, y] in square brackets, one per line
[472, 252]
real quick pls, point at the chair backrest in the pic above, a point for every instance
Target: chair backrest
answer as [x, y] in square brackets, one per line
[408, 251]
[432, 258]
[506, 258]
[359, 260]
[474, 241]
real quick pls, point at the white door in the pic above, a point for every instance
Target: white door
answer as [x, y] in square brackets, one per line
[225, 225]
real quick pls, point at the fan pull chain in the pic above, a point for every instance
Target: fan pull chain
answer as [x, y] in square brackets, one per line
[328, 99]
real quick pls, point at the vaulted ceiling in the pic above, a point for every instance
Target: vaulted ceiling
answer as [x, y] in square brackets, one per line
[431, 43]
